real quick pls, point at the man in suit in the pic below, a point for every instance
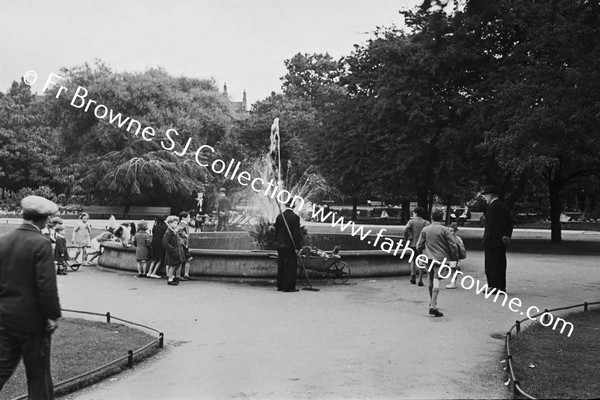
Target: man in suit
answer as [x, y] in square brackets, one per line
[496, 237]
[223, 207]
[29, 305]
[286, 223]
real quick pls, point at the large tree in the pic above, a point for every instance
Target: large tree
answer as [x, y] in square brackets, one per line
[539, 105]
[116, 164]
[29, 152]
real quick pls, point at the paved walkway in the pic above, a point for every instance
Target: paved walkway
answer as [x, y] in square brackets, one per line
[372, 339]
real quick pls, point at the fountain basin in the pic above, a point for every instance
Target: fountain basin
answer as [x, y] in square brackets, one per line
[233, 255]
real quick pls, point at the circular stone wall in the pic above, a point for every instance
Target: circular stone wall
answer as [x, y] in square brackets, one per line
[233, 255]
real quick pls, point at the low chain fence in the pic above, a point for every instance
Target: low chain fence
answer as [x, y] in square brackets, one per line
[517, 390]
[104, 370]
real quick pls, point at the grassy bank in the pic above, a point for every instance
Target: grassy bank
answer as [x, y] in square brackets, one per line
[554, 366]
[79, 346]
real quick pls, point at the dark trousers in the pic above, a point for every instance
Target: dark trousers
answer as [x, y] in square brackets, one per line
[35, 350]
[495, 267]
[286, 269]
[221, 224]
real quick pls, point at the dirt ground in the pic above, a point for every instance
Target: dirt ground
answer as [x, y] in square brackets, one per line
[370, 339]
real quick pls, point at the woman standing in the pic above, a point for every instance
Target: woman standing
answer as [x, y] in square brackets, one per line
[157, 251]
[81, 237]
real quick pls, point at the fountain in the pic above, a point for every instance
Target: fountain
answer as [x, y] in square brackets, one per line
[234, 255]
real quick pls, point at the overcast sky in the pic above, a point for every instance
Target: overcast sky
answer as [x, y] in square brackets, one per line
[240, 42]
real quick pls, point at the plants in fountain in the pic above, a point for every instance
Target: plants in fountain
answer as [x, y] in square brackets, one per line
[263, 234]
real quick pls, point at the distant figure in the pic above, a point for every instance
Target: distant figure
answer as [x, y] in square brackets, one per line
[157, 251]
[438, 244]
[96, 243]
[174, 255]
[81, 237]
[29, 304]
[462, 218]
[223, 207]
[287, 223]
[61, 253]
[142, 242]
[183, 230]
[496, 238]
[412, 231]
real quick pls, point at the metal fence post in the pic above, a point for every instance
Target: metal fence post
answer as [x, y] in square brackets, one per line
[585, 306]
[516, 390]
[518, 325]
[130, 359]
[546, 316]
[108, 317]
[161, 340]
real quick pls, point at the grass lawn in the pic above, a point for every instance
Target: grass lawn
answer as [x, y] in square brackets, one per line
[565, 367]
[79, 346]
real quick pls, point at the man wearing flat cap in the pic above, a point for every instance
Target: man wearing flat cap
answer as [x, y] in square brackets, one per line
[29, 305]
[496, 237]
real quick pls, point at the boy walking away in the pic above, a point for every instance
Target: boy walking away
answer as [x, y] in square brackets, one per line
[412, 231]
[61, 253]
[439, 245]
[462, 254]
[142, 241]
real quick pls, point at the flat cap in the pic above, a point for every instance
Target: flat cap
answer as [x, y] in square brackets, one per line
[38, 205]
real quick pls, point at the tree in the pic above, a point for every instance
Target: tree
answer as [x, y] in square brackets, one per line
[28, 146]
[116, 164]
[539, 106]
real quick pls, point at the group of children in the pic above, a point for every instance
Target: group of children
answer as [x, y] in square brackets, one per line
[169, 243]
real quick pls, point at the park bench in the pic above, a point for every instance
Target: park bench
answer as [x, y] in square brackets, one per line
[147, 212]
[105, 211]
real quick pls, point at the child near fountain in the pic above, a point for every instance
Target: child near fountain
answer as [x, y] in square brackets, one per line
[142, 241]
[61, 254]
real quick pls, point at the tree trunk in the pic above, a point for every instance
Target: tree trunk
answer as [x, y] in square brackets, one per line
[405, 211]
[448, 209]
[422, 196]
[555, 211]
[354, 207]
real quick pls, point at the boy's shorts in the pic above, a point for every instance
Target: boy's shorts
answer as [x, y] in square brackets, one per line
[434, 273]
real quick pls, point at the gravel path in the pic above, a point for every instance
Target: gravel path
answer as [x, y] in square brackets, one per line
[371, 339]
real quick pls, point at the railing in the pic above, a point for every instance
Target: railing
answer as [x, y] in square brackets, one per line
[63, 386]
[517, 390]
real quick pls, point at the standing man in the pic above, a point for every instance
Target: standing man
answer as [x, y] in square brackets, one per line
[286, 223]
[440, 245]
[496, 237]
[29, 305]
[223, 207]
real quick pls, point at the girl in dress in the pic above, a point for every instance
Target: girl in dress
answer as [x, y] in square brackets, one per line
[142, 241]
[81, 237]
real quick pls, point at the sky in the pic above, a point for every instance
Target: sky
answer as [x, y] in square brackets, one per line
[238, 42]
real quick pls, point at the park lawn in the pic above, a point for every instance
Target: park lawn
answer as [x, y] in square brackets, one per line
[565, 367]
[79, 346]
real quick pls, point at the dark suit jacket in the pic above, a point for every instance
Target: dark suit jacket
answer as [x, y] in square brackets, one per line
[28, 292]
[282, 234]
[498, 223]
